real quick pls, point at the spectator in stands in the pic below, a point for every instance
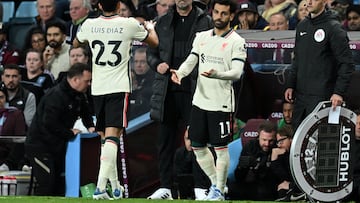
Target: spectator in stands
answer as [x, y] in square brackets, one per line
[287, 7]
[353, 18]
[287, 110]
[280, 166]
[324, 73]
[46, 10]
[56, 54]
[190, 178]
[12, 123]
[142, 91]
[163, 6]
[301, 13]
[153, 10]
[76, 55]
[249, 18]
[12, 120]
[254, 178]
[339, 8]
[79, 54]
[35, 39]
[25, 101]
[79, 10]
[33, 77]
[52, 128]
[127, 8]
[353, 24]
[176, 31]
[278, 21]
[8, 55]
[19, 97]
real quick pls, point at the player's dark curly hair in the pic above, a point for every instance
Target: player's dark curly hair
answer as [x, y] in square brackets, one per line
[231, 3]
[108, 5]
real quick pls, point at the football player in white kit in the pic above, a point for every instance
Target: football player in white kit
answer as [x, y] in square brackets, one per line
[220, 55]
[110, 38]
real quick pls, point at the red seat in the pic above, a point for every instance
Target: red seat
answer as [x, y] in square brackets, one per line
[250, 130]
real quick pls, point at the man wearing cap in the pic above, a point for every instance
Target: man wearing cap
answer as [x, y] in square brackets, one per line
[353, 18]
[8, 55]
[249, 18]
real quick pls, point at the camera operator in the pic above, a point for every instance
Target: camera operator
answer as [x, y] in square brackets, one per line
[254, 178]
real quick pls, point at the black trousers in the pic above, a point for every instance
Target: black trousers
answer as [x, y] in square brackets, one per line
[303, 106]
[177, 109]
[49, 173]
[185, 165]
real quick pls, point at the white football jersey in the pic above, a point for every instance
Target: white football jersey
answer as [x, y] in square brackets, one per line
[110, 40]
[226, 56]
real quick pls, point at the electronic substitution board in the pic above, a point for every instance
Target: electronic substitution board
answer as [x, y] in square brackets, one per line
[320, 155]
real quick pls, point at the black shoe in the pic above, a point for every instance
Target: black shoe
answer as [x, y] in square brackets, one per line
[284, 195]
[297, 196]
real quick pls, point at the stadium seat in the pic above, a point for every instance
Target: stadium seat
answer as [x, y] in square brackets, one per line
[8, 10]
[18, 28]
[276, 113]
[26, 9]
[235, 148]
[250, 130]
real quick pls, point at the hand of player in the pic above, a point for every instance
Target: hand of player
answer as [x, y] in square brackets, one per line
[174, 77]
[149, 25]
[336, 100]
[209, 74]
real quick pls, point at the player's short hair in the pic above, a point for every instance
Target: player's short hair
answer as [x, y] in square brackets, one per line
[231, 3]
[108, 5]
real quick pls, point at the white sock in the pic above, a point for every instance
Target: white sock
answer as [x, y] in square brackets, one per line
[107, 159]
[206, 161]
[222, 166]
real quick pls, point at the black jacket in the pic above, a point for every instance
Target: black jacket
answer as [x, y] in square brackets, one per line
[323, 62]
[254, 163]
[281, 168]
[55, 116]
[163, 53]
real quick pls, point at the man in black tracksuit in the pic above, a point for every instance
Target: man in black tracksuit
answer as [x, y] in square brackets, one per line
[322, 63]
[52, 128]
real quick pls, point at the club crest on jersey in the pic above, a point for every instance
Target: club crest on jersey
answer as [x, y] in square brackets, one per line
[224, 45]
[319, 35]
